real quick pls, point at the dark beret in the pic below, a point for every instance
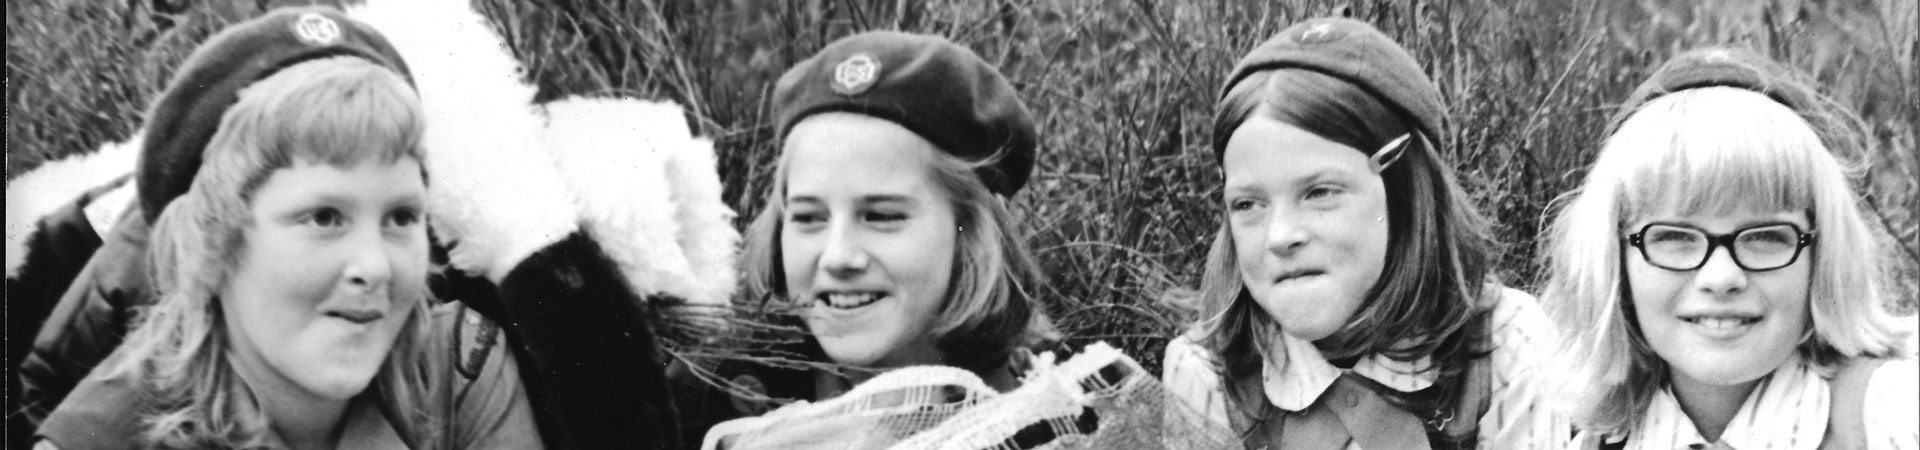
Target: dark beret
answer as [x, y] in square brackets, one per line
[927, 84]
[1725, 67]
[1355, 52]
[185, 116]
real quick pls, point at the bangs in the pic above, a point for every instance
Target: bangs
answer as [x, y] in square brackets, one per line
[340, 111]
[1713, 151]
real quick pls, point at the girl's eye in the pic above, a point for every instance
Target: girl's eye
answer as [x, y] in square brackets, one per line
[1322, 191]
[1242, 204]
[807, 218]
[326, 218]
[404, 218]
[885, 217]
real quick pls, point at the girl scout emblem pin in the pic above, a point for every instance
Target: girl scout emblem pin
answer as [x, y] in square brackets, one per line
[1320, 33]
[855, 74]
[315, 29]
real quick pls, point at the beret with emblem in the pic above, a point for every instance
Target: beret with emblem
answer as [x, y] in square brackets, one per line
[927, 84]
[1357, 53]
[185, 116]
[1726, 67]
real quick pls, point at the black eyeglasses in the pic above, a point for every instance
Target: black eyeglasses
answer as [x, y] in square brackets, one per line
[1755, 249]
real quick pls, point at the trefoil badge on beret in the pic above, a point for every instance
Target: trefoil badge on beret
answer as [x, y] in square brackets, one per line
[855, 74]
[1320, 33]
[315, 29]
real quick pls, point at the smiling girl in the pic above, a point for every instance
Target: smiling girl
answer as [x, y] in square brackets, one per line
[887, 230]
[291, 275]
[1726, 286]
[1347, 300]
[888, 221]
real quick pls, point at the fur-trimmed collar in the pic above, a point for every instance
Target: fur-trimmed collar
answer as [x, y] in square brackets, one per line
[54, 184]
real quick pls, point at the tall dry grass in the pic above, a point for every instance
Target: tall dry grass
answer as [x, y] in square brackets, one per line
[1124, 199]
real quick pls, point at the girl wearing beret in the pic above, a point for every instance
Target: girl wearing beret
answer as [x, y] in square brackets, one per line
[887, 227]
[1719, 278]
[293, 310]
[1347, 301]
[586, 224]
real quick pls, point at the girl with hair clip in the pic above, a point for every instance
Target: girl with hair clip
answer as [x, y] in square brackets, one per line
[1721, 282]
[291, 274]
[1348, 300]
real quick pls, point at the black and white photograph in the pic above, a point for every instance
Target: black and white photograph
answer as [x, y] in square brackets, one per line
[963, 224]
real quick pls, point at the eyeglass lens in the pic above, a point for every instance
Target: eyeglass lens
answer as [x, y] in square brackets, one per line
[1759, 248]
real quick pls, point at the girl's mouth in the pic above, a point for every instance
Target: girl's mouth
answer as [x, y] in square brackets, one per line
[357, 316]
[1297, 274]
[1721, 322]
[1722, 326]
[849, 300]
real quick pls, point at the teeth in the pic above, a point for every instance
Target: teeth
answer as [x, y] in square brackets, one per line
[1722, 322]
[849, 301]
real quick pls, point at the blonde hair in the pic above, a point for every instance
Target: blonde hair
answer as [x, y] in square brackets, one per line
[1711, 150]
[989, 309]
[340, 111]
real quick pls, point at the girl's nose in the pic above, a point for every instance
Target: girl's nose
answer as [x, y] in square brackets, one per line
[843, 256]
[1284, 236]
[1720, 276]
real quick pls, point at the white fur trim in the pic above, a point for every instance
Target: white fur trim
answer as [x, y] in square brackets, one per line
[648, 192]
[54, 184]
[494, 194]
[706, 232]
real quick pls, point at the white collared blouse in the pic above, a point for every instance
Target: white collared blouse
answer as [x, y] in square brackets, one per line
[1516, 418]
[1789, 410]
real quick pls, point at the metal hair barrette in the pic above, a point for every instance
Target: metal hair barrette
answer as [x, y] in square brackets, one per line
[1390, 153]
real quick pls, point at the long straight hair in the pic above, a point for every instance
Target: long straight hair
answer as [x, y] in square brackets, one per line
[1711, 150]
[1430, 300]
[339, 111]
[988, 310]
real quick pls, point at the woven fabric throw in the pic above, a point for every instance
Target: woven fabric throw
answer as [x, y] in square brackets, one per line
[1099, 399]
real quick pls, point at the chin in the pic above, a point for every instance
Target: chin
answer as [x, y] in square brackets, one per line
[1723, 371]
[1309, 333]
[1303, 318]
[847, 350]
[340, 386]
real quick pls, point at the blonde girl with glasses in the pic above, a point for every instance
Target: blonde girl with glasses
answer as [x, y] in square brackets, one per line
[1718, 279]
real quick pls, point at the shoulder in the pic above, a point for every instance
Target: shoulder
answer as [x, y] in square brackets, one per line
[101, 413]
[1185, 357]
[1190, 371]
[1509, 307]
[474, 341]
[483, 391]
[1888, 407]
[1516, 327]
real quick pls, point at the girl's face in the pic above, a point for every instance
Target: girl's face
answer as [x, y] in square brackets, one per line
[867, 243]
[1308, 217]
[328, 271]
[1720, 324]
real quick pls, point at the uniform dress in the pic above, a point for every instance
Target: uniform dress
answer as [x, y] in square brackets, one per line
[475, 386]
[1514, 415]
